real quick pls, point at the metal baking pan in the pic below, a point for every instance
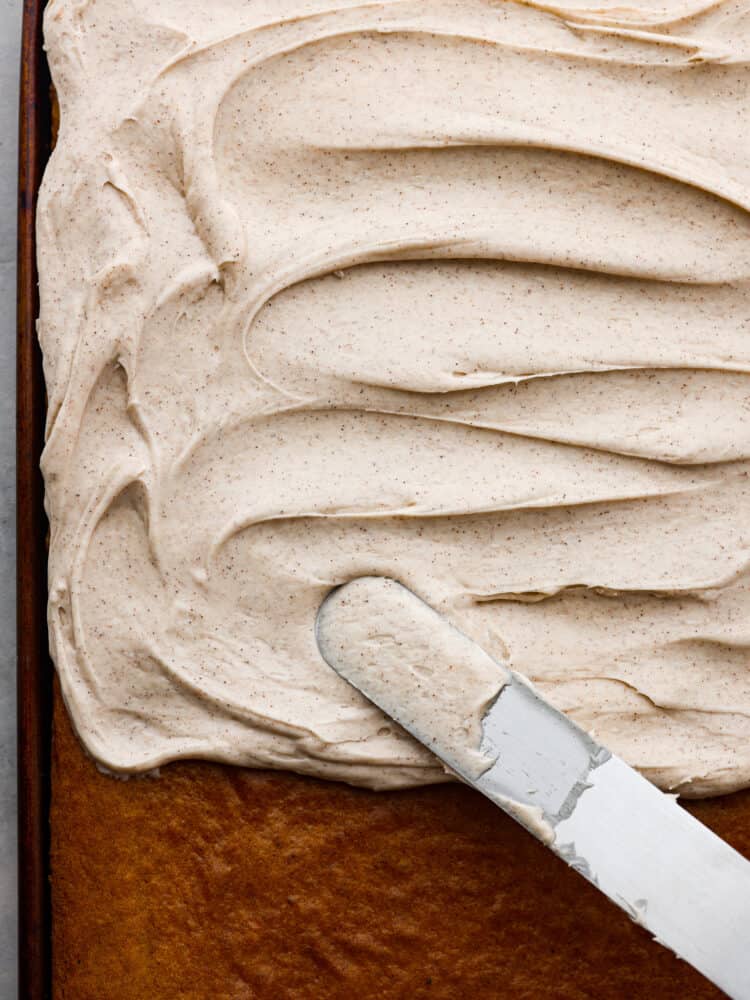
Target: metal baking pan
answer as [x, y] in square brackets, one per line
[35, 670]
[34, 665]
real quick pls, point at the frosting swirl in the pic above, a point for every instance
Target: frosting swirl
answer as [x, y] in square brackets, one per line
[449, 291]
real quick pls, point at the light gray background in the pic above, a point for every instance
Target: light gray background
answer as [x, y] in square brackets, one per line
[10, 31]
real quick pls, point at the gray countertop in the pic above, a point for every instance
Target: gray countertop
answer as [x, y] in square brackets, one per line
[10, 30]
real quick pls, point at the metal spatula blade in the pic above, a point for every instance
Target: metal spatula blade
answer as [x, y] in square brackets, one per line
[633, 842]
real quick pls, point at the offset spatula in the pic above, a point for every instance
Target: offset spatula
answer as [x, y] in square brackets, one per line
[636, 844]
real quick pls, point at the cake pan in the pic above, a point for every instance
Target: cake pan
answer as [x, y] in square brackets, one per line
[34, 670]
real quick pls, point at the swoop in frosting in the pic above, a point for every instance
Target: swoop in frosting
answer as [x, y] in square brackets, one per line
[455, 292]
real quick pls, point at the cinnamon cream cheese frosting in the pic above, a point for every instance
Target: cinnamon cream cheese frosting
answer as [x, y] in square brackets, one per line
[455, 292]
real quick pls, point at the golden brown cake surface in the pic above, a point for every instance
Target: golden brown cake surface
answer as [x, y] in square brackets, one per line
[221, 882]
